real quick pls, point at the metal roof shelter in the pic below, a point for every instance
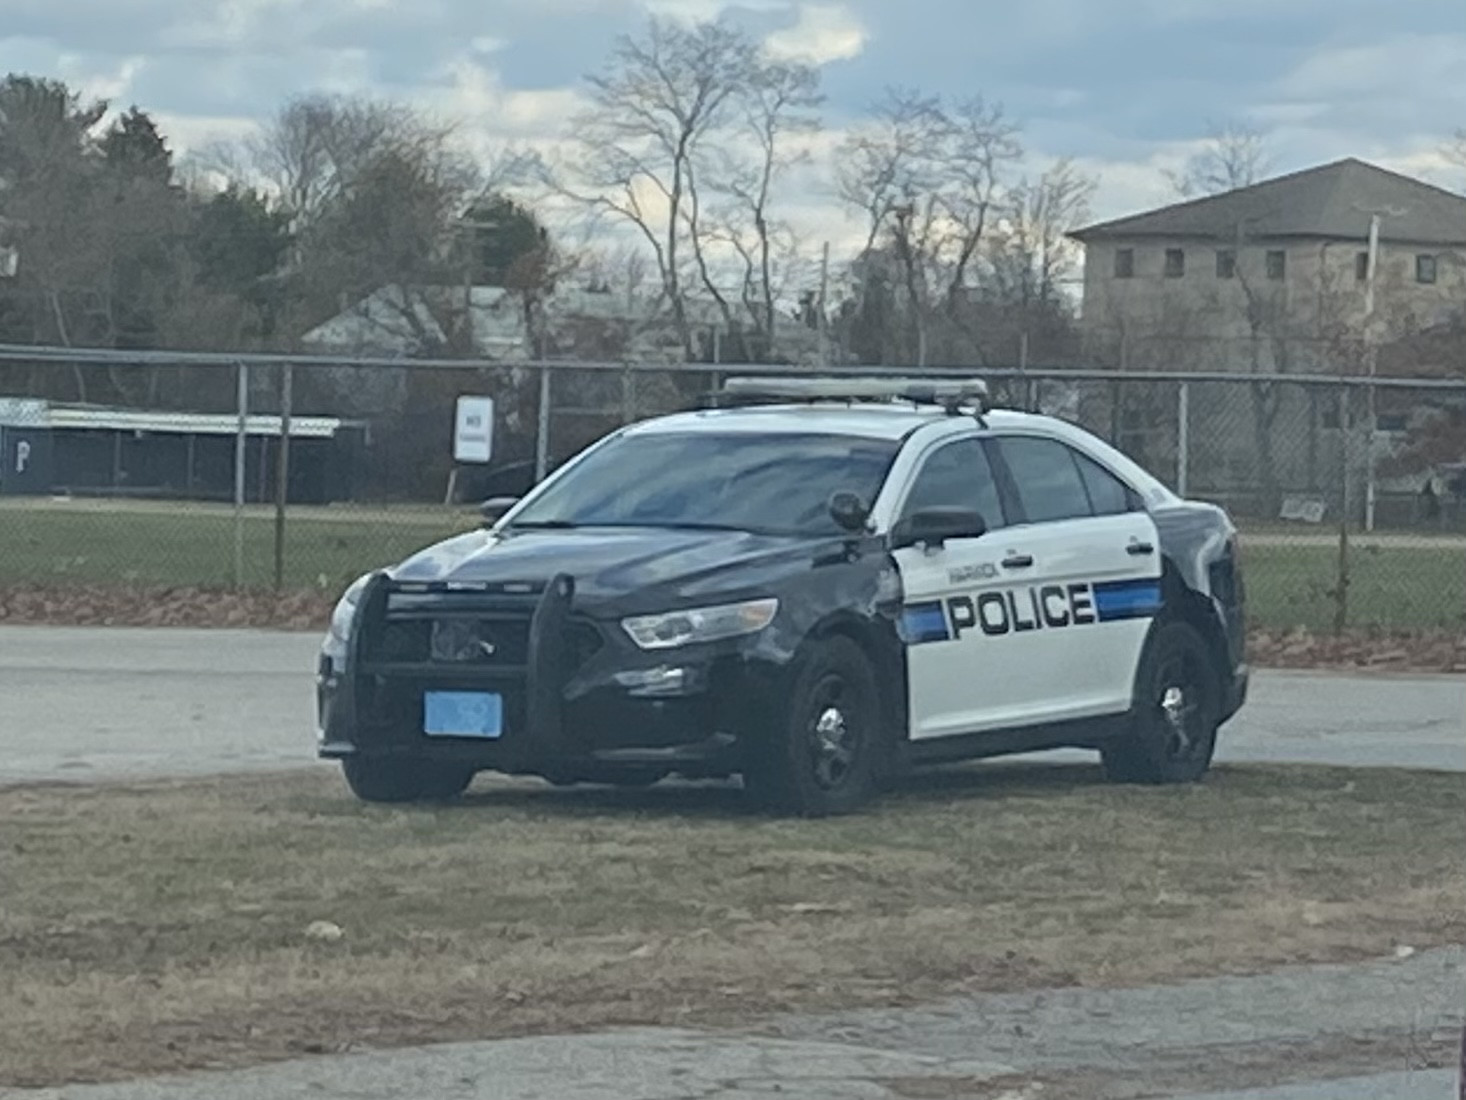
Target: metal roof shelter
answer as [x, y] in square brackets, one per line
[24, 412]
[49, 447]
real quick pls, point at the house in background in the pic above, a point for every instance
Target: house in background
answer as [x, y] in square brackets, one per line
[1275, 278]
[591, 322]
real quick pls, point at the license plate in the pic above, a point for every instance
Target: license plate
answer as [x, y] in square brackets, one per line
[463, 714]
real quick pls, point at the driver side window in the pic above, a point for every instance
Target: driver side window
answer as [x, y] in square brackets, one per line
[957, 475]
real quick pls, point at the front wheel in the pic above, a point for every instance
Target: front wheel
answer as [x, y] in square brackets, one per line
[404, 779]
[820, 756]
[1172, 729]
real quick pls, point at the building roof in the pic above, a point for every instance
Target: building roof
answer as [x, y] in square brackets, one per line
[1332, 201]
[19, 412]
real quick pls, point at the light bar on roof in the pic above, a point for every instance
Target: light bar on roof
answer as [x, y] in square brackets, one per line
[929, 391]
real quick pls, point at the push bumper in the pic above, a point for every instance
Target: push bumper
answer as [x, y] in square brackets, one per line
[567, 712]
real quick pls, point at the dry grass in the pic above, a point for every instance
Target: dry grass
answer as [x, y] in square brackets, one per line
[148, 928]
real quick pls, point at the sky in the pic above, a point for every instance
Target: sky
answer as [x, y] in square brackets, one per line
[1125, 87]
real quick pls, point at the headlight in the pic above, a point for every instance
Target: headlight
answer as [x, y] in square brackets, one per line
[700, 624]
[345, 610]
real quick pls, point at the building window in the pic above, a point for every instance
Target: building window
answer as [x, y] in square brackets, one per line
[1175, 263]
[1226, 263]
[1361, 267]
[1425, 268]
[1277, 264]
[1125, 263]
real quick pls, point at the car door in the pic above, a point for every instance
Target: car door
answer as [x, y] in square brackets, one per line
[1087, 555]
[961, 680]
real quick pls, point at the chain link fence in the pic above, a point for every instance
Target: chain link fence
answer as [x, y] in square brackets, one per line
[156, 470]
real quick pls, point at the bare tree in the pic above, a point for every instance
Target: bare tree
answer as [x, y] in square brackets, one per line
[1235, 154]
[893, 159]
[983, 145]
[927, 178]
[1455, 149]
[778, 104]
[1031, 255]
[655, 106]
[375, 193]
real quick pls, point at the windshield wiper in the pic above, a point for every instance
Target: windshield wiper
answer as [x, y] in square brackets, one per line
[543, 525]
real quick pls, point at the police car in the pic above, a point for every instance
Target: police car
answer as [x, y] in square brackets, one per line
[815, 584]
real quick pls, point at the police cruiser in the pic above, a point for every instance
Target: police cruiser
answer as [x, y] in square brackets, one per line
[816, 584]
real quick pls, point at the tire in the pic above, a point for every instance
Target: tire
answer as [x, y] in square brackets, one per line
[403, 779]
[820, 756]
[1172, 726]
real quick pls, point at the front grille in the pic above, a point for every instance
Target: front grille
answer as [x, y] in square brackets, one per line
[449, 635]
[479, 641]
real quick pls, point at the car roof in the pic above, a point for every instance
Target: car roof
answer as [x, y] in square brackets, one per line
[870, 420]
[894, 422]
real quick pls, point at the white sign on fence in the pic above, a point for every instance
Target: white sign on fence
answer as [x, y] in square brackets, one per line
[1305, 509]
[473, 430]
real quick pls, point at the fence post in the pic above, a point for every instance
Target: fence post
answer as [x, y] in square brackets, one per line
[1369, 440]
[1341, 581]
[1117, 396]
[241, 456]
[1183, 436]
[542, 428]
[282, 471]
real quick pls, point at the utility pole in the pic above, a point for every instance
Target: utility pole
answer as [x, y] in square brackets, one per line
[1371, 353]
[824, 307]
[1371, 356]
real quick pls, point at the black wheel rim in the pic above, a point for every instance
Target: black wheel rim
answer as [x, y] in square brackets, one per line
[1181, 707]
[833, 734]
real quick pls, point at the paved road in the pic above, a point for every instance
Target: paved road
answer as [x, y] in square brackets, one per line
[84, 704]
[1096, 1044]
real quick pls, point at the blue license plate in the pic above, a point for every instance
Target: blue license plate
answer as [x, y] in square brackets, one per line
[463, 714]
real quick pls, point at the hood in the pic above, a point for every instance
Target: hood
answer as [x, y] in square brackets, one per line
[620, 565]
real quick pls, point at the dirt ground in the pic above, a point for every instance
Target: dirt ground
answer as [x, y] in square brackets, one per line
[187, 924]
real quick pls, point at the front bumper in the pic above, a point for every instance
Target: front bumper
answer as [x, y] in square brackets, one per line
[579, 699]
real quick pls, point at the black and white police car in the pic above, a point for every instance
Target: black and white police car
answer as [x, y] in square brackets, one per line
[816, 586]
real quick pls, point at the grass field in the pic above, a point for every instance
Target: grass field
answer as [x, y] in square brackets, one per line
[1398, 583]
[162, 926]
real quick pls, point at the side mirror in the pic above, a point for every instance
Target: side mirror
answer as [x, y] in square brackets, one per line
[849, 511]
[494, 509]
[935, 526]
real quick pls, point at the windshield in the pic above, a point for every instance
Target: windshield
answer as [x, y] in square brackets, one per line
[769, 484]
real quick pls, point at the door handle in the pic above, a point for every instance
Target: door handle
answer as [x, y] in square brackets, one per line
[1139, 549]
[1018, 561]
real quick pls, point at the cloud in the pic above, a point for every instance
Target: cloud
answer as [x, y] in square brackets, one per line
[1124, 86]
[701, 11]
[822, 33]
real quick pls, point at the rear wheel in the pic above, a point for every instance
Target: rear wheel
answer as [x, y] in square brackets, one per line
[820, 756]
[1172, 730]
[404, 779]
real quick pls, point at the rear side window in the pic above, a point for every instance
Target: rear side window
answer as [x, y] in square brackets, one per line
[1047, 479]
[1107, 494]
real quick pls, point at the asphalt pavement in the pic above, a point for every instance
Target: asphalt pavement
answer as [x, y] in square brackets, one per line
[1163, 1041]
[82, 704]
